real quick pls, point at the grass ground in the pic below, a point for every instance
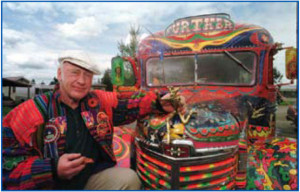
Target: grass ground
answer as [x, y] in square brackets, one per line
[288, 101]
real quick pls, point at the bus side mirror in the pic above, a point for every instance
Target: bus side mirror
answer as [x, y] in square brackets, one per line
[123, 72]
[117, 71]
[291, 63]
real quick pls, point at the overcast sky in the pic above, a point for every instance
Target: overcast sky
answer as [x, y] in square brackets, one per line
[35, 32]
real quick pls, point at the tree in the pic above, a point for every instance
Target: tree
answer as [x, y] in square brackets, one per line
[106, 80]
[33, 82]
[131, 48]
[277, 76]
[54, 81]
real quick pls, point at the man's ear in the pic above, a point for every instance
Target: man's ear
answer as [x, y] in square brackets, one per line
[59, 74]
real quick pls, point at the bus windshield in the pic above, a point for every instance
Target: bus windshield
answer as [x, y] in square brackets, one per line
[224, 68]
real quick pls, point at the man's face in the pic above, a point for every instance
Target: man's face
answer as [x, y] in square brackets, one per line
[75, 82]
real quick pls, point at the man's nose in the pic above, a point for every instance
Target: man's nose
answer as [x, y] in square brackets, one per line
[81, 79]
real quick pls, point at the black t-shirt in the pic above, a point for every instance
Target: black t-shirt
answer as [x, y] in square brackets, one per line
[79, 140]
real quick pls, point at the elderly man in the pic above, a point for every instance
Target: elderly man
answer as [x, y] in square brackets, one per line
[63, 139]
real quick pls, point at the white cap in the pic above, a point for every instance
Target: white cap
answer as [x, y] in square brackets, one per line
[80, 58]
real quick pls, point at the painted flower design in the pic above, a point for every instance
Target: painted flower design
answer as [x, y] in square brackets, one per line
[93, 102]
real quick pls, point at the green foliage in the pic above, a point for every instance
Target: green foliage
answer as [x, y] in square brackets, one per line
[106, 80]
[54, 81]
[277, 75]
[130, 49]
[6, 110]
[285, 103]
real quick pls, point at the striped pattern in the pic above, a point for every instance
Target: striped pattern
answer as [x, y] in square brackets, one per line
[108, 102]
[41, 173]
[41, 102]
[152, 184]
[24, 121]
[228, 186]
[152, 178]
[152, 168]
[241, 180]
[227, 162]
[153, 160]
[49, 105]
[206, 175]
[26, 170]
[207, 184]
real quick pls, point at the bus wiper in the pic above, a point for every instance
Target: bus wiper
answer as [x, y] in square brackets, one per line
[237, 61]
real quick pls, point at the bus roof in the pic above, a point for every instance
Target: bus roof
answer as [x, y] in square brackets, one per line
[205, 32]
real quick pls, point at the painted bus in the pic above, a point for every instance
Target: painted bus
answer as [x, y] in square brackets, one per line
[226, 137]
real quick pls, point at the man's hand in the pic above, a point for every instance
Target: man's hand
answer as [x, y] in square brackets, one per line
[69, 165]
